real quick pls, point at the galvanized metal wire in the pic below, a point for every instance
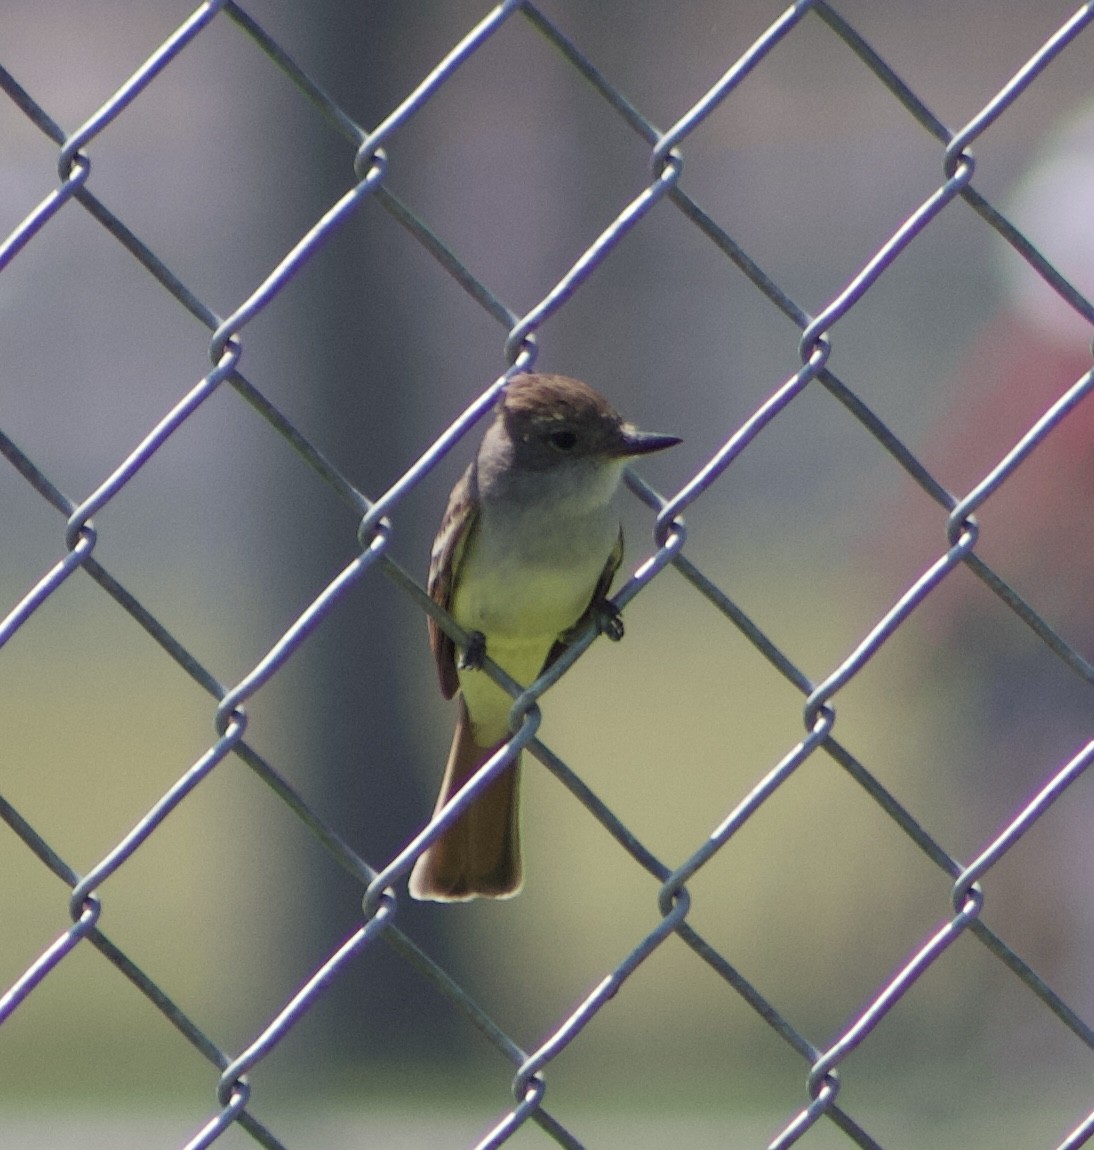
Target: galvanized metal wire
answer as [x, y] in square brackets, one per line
[233, 1101]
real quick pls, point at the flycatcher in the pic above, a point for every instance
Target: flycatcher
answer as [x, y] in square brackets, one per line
[526, 553]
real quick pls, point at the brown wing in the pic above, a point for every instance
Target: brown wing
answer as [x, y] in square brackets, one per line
[459, 519]
[600, 593]
[604, 583]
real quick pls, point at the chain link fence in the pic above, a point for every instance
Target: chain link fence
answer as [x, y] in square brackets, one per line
[957, 908]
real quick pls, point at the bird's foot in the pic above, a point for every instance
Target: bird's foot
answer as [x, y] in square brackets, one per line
[472, 655]
[608, 620]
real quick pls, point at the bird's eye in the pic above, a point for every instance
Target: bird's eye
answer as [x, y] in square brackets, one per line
[563, 440]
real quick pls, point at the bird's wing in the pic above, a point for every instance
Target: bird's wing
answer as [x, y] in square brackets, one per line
[604, 583]
[455, 530]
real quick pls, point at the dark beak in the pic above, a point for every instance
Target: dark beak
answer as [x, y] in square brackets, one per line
[635, 442]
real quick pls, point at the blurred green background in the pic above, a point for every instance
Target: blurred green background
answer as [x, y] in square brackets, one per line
[226, 536]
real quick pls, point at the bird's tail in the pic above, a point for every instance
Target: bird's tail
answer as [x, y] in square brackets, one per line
[479, 855]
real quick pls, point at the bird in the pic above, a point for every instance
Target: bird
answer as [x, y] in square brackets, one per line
[523, 560]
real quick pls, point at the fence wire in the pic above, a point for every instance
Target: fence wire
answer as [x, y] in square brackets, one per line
[382, 882]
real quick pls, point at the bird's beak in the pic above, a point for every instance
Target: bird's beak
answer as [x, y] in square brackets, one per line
[635, 442]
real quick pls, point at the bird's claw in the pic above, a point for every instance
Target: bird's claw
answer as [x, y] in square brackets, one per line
[472, 655]
[608, 620]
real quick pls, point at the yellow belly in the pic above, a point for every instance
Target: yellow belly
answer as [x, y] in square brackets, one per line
[522, 609]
